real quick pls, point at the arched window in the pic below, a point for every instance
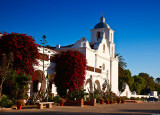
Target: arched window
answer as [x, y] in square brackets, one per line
[98, 35]
[104, 47]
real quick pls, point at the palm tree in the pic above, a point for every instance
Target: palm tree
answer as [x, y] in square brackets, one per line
[121, 65]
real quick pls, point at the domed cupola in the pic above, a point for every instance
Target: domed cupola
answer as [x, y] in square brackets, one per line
[101, 24]
[102, 27]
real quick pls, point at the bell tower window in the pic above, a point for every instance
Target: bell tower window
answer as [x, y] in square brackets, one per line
[84, 44]
[98, 35]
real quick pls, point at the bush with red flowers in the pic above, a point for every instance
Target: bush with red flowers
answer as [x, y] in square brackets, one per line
[24, 51]
[70, 71]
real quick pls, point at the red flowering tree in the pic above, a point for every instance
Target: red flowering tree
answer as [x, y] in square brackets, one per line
[24, 51]
[70, 71]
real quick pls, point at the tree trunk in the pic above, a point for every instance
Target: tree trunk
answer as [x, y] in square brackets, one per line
[0, 90]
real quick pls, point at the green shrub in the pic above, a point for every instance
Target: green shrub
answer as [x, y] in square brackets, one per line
[123, 99]
[110, 95]
[126, 98]
[132, 98]
[106, 99]
[87, 99]
[16, 85]
[118, 99]
[20, 102]
[5, 102]
[101, 99]
[56, 99]
[61, 100]
[97, 99]
[30, 101]
[78, 94]
[143, 98]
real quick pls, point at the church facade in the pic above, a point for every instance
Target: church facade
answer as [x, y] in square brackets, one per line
[102, 65]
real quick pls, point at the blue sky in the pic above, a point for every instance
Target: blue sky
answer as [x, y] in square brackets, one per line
[136, 24]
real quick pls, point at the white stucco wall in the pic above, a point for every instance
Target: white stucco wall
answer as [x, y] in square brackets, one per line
[129, 94]
[49, 67]
[114, 80]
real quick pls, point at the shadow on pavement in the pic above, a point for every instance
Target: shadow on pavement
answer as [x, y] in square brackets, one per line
[61, 113]
[143, 111]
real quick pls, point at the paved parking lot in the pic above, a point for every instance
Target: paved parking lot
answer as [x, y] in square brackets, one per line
[150, 108]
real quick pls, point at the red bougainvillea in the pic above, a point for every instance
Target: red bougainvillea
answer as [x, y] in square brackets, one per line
[70, 71]
[24, 51]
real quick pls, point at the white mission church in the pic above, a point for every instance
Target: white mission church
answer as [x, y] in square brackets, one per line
[102, 65]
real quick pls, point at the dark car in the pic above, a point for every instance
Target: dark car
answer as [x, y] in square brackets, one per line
[152, 99]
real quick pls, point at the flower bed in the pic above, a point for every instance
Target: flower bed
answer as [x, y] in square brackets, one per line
[74, 103]
[80, 102]
[92, 102]
[87, 103]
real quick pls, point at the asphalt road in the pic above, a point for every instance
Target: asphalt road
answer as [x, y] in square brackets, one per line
[147, 108]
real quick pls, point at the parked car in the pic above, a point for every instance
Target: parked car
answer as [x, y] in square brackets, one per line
[152, 99]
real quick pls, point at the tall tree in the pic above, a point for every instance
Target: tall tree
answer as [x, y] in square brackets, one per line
[121, 65]
[5, 63]
[3, 70]
[139, 84]
[157, 87]
[123, 74]
[127, 78]
[150, 84]
[157, 80]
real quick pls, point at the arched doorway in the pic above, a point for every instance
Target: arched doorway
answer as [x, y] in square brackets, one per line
[104, 85]
[97, 85]
[51, 80]
[88, 85]
[38, 79]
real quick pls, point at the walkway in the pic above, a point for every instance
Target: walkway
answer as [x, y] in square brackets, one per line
[113, 109]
